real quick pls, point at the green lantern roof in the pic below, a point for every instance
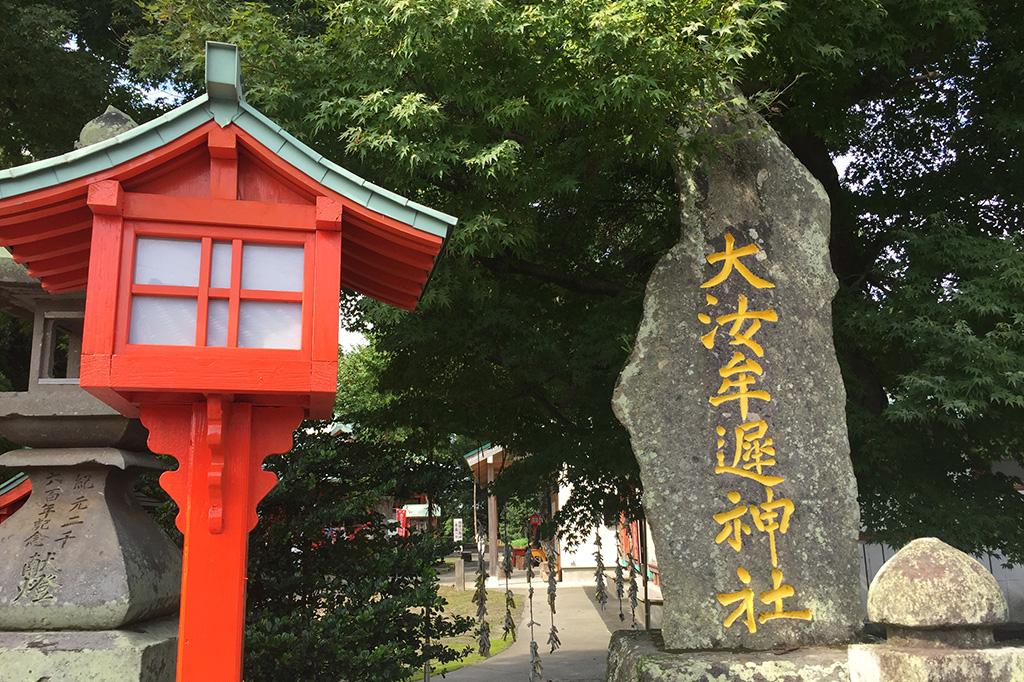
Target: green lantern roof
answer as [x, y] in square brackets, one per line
[224, 102]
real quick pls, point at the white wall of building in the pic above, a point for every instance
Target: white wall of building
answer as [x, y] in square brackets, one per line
[582, 556]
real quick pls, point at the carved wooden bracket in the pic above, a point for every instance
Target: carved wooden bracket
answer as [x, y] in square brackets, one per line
[220, 446]
[215, 475]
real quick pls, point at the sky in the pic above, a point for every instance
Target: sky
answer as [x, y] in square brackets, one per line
[349, 341]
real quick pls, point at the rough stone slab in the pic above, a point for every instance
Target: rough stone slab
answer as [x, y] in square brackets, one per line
[70, 457]
[144, 653]
[884, 663]
[757, 192]
[641, 657]
[29, 419]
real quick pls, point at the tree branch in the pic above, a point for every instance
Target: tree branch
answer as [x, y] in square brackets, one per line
[583, 285]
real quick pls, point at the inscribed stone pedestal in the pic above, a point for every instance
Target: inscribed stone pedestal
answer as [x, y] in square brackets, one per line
[81, 554]
[735, 407]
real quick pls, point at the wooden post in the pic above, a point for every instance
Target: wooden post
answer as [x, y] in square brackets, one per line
[476, 521]
[220, 447]
[460, 574]
[492, 524]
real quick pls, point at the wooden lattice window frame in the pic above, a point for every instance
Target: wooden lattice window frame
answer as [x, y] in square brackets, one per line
[204, 293]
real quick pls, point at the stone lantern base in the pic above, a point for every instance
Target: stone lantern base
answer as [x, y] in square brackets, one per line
[88, 581]
[882, 663]
[143, 652]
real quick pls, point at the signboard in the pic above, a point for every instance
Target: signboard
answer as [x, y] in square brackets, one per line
[457, 530]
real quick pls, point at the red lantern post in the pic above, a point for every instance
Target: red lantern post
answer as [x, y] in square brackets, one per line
[213, 246]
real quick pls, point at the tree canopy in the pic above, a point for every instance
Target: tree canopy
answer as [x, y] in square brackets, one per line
[927, 245]
[550, 128]
[334, 592]
[61, 63]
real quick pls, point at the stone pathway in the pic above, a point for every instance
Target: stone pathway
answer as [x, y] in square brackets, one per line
[584, 635]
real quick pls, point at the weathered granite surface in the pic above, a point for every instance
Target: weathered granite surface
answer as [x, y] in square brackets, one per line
[31, 418]
[144, 653]
[81, 554]
[757, 192]
[640, 656]
[881, 663]
[111, 122]
[928, 584]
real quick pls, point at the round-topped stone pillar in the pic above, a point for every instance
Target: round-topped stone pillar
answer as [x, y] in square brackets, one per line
[938, 606]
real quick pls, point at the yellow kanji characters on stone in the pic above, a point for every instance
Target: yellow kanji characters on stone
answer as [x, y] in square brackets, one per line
[733, 528]
[743, 324]
[745, 598]
[730, 260]
[773, 516]
[737, 377]
[708, 339]
[774, 596]
[753, 446]
[753, 453]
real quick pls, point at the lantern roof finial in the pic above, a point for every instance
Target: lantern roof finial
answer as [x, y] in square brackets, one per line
[223, 72]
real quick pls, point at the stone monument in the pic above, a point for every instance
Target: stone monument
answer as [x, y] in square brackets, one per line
[736, 411]
[89, 584]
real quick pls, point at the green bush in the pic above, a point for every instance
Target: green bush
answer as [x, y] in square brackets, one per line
[334, 593]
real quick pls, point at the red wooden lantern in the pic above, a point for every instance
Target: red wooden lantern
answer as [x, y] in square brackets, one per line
[212, 246]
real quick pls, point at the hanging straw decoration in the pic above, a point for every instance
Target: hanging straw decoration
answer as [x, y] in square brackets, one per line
[620, 581]
[553, 641]
[480, 599]
[601, 592]
[509, 626]
[536, 669]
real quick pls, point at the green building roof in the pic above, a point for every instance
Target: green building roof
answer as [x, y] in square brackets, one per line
[12, 483]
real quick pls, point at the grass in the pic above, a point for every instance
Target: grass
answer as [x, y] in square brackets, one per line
[461, 603]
